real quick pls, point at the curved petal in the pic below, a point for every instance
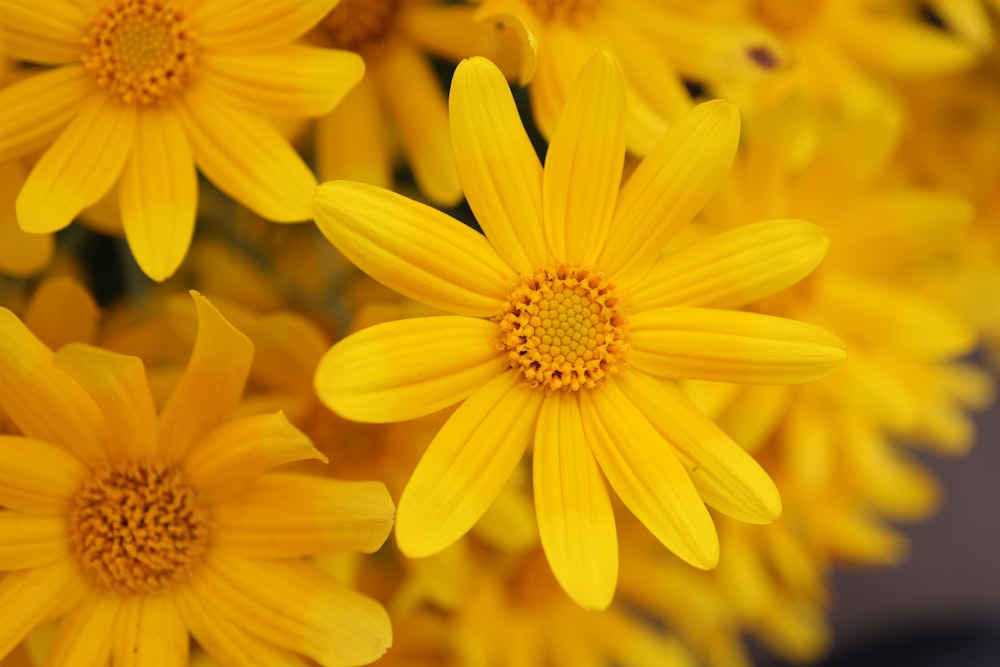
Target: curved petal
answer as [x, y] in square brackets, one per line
[409, 368]
[149, 631]
[285, 515]
[734, 268]
[118, 385]
[31, 541]
[49, 33]
[412, 94]
[211, 386]
[41, 399]
[79, 167]
[37, 477]
[645, 473]
[21, 254]
[466, 465]
[500, 172]
[255, 25]
[353, 142]
[159, 194]
[295, 607]
[294, 80]
[726, 477]
[28, 598]
[575, 520]
[669, 187]
[34, 109]
[84, 635]
[231, 457]
[246, 157]
[584, 162]
[62, 311]
[731, 346]
[414, 249]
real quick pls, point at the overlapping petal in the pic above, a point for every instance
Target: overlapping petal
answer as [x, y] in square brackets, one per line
[149, 631]
[83, 636]
[255, 25]
[31, 541]
[50, 33]
[28, 598]
[62, 311]
[34, 109]
[37, 477]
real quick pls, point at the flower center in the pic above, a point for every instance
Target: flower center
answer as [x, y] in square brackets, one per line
[357, 25]
[563, 329]
[137, 527]
[561, 9]
[141, 51]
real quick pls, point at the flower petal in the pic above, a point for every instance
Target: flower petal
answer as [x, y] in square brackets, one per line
[41, 399]
[49, 33]
[734, 268]
[37, 477]
[159, 194]
[584, 162]
[409, 368]
[79, 167]
[62, 311]
[117, 384]
[565, 51]
[575, 520]
[669, 187]
[285, 515]
[255, 25]
[500, 172]
[246, 157]
[84, 635]
[352, 142]
[644, 471]
[211, 386]
[29, 597]
[35, 109]
[295, 607]
[466, 465]
[294, 80]
[414, 249]
[149, 632]
[726, 477]
[731, 346]
[31, 541]
[21, 254]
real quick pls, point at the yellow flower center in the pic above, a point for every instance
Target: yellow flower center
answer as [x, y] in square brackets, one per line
[561, 9]
[140, 51]
[136, 527]
[563, 329]
[357, 25]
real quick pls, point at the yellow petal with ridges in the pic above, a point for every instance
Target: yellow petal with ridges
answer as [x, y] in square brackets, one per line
[35, 109]
[149, 632]
[84, 635]
[29, 597]
[731, 346]
[37, 477]
[255, 25]
[644, 471]
[159, 194]
[409, 368]
[500, 171]
[414, 249]
[48, 33]
[575, 520]
[31, 541]
[466, 465]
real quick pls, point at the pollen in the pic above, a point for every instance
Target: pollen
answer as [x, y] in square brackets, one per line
[358, 25]
[563, 10]
[563, 329]
[136, 527]
[140, 51]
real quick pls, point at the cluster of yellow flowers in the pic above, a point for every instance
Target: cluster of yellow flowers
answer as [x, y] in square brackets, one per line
[625, 403]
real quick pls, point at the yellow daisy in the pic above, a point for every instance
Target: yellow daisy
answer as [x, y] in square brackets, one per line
[144, 90]
[138, 529]
[566, 329]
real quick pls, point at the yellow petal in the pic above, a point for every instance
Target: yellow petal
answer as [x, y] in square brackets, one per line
[34, 109]
[669, 187]
[231, 457]
[500, 171]
[287, 516]
[21, 254]
[414, 249]
[645, 473]
[211, 386]
[246, 157]
[726, 477]
[255, 25]
[295, 607]
[62, 311]
[417, 106]
[731, 346]
[906, 48]
[41, 399]
[564, 54]
[50, 33]
[583, 165]
[159, 194]
[294, 80]
[149, 632]
[31, 541]
[29, 597]
[466, 465]
[79, 167]
[575, 520]
[84, 635]
[353, 142]
[37, 477]
[734, 268]
[409, 368]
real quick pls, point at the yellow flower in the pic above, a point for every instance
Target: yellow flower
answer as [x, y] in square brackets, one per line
[568, 330]
[139, 528]
[146, 89]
